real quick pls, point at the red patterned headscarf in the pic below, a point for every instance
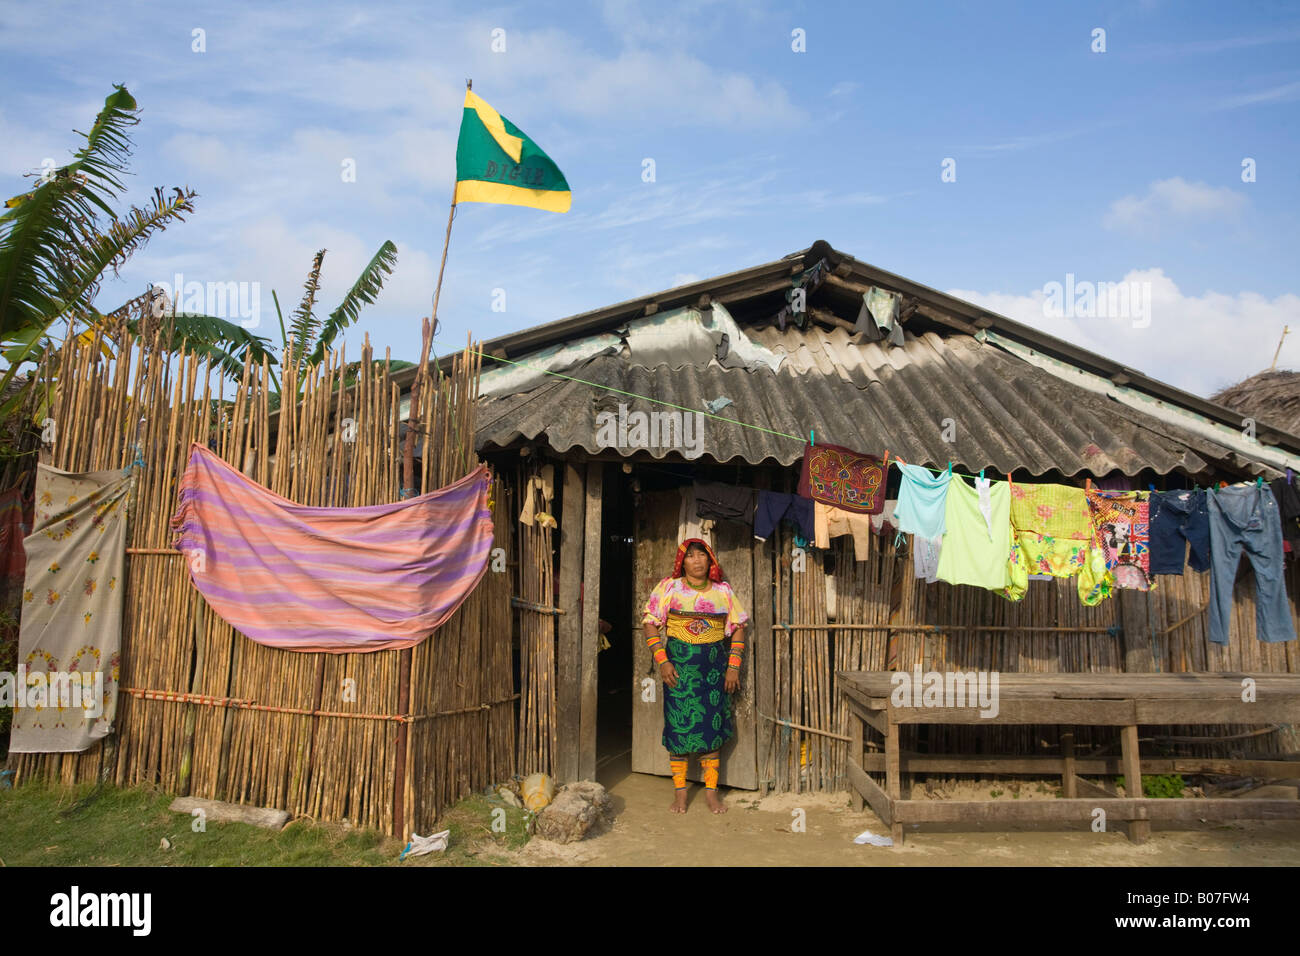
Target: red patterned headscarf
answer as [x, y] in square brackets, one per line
[715, 569]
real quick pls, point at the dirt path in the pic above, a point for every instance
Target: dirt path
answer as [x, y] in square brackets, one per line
[758, 833]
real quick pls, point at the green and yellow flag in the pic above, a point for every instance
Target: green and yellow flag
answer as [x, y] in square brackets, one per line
[496, 162]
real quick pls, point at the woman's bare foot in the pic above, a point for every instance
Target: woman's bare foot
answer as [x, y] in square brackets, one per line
[714, 801]
[679, 802]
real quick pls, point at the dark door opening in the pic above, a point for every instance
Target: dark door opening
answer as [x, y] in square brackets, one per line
[620, 610]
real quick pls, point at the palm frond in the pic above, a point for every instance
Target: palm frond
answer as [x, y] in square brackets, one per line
[227, 343]
[363, 292]
[305, 325]
[43, 232]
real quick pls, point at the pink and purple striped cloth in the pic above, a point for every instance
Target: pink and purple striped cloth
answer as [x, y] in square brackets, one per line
[330, 579]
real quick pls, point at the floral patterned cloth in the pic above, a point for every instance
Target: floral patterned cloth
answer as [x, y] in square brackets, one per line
[72, 609]
[677, 594]
[1052, 534]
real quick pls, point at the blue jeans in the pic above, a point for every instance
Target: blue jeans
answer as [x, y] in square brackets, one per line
[1178, 518]
[1247, 519]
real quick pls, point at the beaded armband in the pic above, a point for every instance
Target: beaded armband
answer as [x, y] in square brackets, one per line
[657, 650]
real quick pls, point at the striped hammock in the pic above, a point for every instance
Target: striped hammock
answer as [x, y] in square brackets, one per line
[330, 579]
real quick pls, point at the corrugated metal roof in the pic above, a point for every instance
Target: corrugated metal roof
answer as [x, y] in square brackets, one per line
[1001, 413]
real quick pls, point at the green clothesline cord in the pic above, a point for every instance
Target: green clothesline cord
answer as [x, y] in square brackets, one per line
[647, 398]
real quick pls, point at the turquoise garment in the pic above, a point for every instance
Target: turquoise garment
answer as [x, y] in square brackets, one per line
[922, 501]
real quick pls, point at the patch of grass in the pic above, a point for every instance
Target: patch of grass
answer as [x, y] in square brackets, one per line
[43, 825]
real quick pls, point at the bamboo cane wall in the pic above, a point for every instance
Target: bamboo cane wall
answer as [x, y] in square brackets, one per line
[315, 734]
[932, 626]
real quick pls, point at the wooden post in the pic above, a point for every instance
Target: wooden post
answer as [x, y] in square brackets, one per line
[893, 779]
[1138, 830]
[855, 754]
[569, 642]
[588, 708]
[1067, 756]
[1135, 622]
[762, 655]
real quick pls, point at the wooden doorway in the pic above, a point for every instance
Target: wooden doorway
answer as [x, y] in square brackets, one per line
[656, 546]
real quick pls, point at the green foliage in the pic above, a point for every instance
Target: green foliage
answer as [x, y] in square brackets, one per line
[307, 337]
[1158, 785]
[58, 240]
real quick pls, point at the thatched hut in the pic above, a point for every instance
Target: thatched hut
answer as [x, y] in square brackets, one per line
[1272, 396]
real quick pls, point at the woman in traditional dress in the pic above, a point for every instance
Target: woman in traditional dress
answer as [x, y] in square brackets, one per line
[700, 613]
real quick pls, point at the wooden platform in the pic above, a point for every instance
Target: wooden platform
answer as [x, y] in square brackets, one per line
[1119, 700]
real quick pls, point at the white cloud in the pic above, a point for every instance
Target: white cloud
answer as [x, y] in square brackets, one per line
[1274, 94]
[1197, 342]
[1174, 202]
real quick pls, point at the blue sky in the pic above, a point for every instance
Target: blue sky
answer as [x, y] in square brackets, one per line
[1110, 166]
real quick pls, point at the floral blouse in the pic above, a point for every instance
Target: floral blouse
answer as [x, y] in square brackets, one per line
[677, 595]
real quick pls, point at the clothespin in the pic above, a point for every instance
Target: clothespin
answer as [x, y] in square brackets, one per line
[885, 465]
[981, 473]
[1151, 485]
[1087, 484]
[812, 438]
[949, 469]
[1259, 481]
[1289, 473]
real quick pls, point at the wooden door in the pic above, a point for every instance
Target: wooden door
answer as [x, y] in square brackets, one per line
[656, 547]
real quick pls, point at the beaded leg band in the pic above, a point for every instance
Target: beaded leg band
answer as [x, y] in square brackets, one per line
[710, 767]
[678, 767]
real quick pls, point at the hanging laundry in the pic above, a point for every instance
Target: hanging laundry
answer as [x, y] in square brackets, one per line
[330, 579]
[689, 523]
[885, 521]
[1053, 536]
[843, 478]
[925, 558]
[969, 556]
[1122, 522]
[1179, 519]
[72, 610]
[922, 498]
[878, 316]
[724, 502]
[538, 493]
[1288, 502]
[830, 522]
[773, 506]
[1246, 518]
[986, 506]
[1115, 481]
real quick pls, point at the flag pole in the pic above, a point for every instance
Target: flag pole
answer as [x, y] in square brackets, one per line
[409, 488]
[446, 241]
[428, 328]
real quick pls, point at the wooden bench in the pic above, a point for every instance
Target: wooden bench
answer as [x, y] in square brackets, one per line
[1126, 701]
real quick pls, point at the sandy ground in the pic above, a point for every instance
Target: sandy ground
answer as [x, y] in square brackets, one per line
[758, 833]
